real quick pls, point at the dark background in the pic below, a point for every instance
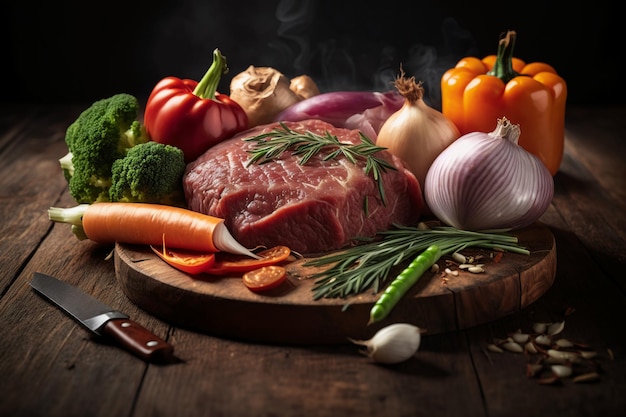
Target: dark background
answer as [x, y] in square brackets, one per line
[83, 51]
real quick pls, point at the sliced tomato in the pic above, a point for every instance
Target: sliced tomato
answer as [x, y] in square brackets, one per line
[187, 261]
[227, 263]
[265, 278]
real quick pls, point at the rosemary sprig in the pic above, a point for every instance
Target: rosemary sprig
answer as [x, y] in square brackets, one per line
[271, 145]
[368, 266]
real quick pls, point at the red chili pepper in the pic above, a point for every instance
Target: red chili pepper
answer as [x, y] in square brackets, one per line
[192, 115]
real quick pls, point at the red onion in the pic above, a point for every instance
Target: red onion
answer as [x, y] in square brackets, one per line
[365, 111]
[486, 181]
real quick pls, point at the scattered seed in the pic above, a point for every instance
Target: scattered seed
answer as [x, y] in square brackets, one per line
[530, 347]
[562, 371]
[587, 354]
[512, 347]
[550, 380]
[563, 343]
[459, 258]
[475, 269]
[558, 359]
[494, 348]
[555, 328]
[520, 337]
[544, 340]
[434, 268]
[465, 266]
[533, 369]
[588, 377]
[563, 355]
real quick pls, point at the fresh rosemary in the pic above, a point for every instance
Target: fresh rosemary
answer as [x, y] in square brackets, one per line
[271, 145]
[366, 266]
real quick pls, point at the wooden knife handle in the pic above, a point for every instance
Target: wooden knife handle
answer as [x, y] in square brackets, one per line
[139, 340]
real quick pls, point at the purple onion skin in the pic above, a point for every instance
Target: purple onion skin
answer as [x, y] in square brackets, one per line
[339, 108]
[482, 183]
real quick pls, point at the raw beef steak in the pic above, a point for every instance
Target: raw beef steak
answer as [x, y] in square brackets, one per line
[312, 208]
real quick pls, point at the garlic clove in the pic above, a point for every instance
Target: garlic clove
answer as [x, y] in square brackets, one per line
[392, 344]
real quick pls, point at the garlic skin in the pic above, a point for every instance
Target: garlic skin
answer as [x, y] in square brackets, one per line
[304, 87]
[392, 344]
[262, 92]
[486, 182]
[417, 133]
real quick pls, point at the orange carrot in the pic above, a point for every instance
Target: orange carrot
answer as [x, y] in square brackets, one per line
[146, 224]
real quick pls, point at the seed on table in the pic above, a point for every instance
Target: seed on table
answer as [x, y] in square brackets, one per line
[520, 337]
[563, 355]
[530, 347]
[562, 371]
[459, 258]
[587, 354]
[543, 340]
[555, 328]
[494, 348]
[512, 347]
[588, 377]
[563, 343]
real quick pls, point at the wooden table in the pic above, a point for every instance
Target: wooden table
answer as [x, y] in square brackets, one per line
[50, 366]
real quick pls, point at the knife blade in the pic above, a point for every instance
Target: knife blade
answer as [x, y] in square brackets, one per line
[102, 320]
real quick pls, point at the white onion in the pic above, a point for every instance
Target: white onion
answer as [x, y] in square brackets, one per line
[486, 181]
[416, 133]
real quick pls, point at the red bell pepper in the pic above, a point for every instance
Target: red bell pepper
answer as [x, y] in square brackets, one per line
[192, 115]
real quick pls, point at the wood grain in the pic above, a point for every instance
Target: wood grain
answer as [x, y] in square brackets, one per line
[289, 314]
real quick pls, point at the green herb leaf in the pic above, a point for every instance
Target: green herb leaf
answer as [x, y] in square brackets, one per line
[367, 266]
[271, 145]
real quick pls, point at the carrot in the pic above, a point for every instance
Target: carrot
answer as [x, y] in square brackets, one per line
[147, 224]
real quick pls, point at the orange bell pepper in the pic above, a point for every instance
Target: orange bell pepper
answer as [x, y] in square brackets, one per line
[478, 92]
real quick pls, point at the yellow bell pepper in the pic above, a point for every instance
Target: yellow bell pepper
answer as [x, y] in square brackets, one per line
[478, 92]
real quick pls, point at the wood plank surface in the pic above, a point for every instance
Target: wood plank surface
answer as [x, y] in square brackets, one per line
[222, 305]
[51, 366]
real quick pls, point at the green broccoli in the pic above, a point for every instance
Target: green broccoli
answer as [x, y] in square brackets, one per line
[150, 172]
[100, 135]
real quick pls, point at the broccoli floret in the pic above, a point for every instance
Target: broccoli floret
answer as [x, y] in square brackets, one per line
[100, 135]
[150, 172]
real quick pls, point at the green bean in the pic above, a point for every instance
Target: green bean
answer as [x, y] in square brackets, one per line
[403, 282]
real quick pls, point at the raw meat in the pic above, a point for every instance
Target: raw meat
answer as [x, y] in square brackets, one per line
[312, 208]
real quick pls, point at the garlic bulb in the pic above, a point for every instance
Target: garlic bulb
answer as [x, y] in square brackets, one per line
[392, 344]
[262, 92]
[486, 181]
[416, 133]
[304, 87]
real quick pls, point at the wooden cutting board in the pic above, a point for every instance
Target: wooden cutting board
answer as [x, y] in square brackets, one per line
[224, 307]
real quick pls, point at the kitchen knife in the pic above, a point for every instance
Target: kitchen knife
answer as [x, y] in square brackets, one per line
[103, 320]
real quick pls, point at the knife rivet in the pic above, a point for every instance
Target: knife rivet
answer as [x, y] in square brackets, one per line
[125, 324]
[152, 343]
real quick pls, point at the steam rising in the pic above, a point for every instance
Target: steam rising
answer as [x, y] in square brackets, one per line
[343, 45]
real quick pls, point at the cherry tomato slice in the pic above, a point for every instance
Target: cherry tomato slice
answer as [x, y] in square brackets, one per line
[226, 263]
[265, 278]
[187, 261]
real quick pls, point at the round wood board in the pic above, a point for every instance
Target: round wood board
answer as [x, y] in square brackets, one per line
[223, 306]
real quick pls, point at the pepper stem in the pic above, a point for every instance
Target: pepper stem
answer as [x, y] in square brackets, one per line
[503, 67]
[207, 86]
